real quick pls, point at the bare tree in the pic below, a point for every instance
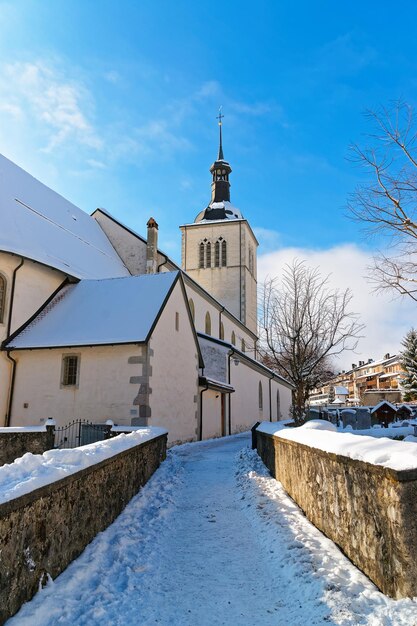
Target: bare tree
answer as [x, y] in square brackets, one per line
[303, 324]
[387, 202]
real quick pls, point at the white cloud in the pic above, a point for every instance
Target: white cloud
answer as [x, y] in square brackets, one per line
[59, 108]
[387, 319]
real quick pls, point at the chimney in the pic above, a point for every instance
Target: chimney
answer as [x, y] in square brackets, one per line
[361, 363]
[370, 360]
[354, 366]
[152, 247]
[387, 356]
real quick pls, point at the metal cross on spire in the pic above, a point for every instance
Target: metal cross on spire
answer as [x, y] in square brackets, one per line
[220, 117]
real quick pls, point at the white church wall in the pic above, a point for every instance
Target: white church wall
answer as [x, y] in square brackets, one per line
[34, 284]
[245, 409]
[174, 380]
[104, 390]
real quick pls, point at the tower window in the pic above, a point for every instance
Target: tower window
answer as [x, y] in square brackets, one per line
[233, 338]
[177, 321]
[224, 253]
[2, 298]
[217, 254]
[208, 254]
[221, 330]
[208, 324]
[201, 255]
[243, 346]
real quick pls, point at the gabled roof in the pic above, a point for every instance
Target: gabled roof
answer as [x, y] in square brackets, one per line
[39, 224]
[98, 312]
[381, 404]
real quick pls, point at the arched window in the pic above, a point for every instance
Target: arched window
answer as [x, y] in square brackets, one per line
[278, 405]
[221, 330]
[261, 398]
[201, 255]
[208, 324]
[217, 254]
[192, 308]
[224, 253]
[243, 347]
[233, 338]
[208, 254]
[2, 298]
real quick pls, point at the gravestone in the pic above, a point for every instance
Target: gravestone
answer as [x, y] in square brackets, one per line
[363, 418]
[349, 418]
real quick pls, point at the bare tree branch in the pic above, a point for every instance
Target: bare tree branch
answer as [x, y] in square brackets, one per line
[303, 325]
[387, 202]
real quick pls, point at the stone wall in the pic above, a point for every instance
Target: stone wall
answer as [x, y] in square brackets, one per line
[43, 531]
[369, 511]
[15, 443]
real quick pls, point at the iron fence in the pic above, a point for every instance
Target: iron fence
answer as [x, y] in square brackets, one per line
[79, 433]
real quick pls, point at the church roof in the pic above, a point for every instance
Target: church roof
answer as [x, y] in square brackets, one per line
[39, 224]
[98, 312]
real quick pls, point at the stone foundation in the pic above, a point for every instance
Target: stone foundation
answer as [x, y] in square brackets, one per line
[43, 531]
[369, 511]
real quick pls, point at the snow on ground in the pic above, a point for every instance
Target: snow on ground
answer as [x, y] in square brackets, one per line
[213, 540]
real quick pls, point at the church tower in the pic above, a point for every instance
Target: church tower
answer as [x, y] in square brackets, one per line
[219, 248]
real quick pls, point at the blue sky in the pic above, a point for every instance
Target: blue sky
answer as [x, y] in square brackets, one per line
[113, 104]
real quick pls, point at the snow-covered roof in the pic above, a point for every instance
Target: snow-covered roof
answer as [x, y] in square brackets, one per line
[99, 312]
[341, 391]
[378, 406]
[41, 225]
[232, 213]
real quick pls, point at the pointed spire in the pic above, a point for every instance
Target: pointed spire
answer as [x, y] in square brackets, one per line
[220, 117]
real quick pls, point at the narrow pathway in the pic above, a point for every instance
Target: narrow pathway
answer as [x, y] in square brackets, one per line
[212, 540]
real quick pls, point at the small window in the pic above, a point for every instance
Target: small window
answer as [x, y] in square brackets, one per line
[208, 324]
[208, 254]
[221, 330]
[177, 321]
[243, 346]
[2, 298]
[70, 368]
[192, 308]
[233, 338]
[201, 255]
[261, 399]
[224, 253]
[278, 405]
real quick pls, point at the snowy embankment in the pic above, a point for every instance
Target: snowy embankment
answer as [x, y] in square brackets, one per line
[32, 471]
[213, 539]
[322, 435]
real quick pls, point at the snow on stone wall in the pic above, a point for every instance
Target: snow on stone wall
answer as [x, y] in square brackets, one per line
[42, 531]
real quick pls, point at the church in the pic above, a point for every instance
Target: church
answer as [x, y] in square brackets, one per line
[97, 323]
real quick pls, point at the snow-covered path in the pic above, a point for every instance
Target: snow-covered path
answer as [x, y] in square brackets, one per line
[212, 539]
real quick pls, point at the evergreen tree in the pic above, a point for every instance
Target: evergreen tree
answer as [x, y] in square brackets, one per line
[408, 360]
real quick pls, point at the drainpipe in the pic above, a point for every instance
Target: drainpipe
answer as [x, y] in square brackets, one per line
[11, 390]
[200, 437]
[270, 401]
[11, 359]
[9, 321]
[231, 353]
